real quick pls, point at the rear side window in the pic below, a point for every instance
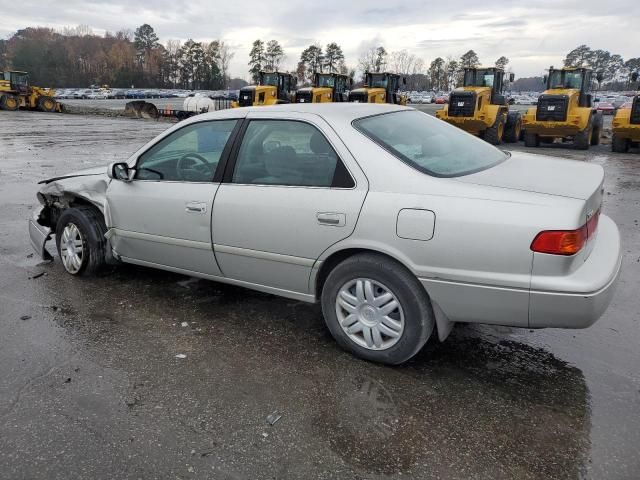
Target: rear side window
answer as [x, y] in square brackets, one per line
[286, 152]
[430, 145]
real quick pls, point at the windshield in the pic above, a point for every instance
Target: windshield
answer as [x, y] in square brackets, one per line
[270, 79]
[377, 81]
[565, 79]
[479, 78]
[326, 81]
[429, 145]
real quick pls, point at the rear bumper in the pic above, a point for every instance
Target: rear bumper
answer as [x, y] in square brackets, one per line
[570, 301]
[39, 235]
[579, 299]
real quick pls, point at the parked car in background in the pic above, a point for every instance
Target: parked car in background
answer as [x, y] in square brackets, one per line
[403, 224]
[606, 108]
[441, 99]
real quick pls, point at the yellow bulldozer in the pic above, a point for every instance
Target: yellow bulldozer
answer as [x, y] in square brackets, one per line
[481, 108]
[565, 110]
[15, 93]
[380, 88]
[327, 87]
[273, 88]
[626, 126]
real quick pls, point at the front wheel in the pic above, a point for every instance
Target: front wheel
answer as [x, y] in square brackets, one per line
[46, 104]
[80, 240]
[619, 145]
[376, 309]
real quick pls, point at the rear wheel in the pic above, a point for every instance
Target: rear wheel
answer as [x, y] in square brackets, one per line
[582, 139]
[376, 309]
[513, 128]
[80, 240]
[47, 104]
[619, 145]
[531, 139]
[9, 102]
[494, 134]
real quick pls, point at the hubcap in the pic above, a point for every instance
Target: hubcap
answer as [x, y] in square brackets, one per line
[71, 248]
[370, 314]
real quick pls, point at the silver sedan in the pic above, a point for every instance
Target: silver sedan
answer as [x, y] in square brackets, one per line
[397, 223]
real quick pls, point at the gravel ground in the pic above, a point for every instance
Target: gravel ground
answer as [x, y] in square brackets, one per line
[90, 386]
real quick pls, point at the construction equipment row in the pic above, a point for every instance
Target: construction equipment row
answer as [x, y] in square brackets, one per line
[564, 111]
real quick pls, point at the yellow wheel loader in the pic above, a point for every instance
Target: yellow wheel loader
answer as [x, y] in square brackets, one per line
[565, 110]
[273, 88]
[380, 88]
[480, 107]
[626, 126]
[15, 93]
[327, 87]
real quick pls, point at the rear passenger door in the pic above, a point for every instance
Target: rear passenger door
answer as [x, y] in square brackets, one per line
[290, 191]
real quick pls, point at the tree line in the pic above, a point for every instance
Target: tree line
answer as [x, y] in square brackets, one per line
[78, 57]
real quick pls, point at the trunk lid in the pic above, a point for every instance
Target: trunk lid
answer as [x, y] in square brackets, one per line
[542, 174]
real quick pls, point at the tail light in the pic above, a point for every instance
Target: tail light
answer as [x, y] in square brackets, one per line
[565, 242]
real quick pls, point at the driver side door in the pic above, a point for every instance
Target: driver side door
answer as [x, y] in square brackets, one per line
[162, 217]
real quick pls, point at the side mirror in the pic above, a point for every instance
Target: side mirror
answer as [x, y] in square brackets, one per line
[120, 171]
[544, 79]
[404, 80]
[351, 82]
[512, 77]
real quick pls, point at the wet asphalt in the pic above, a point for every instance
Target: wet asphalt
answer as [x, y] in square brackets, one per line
[90, 385]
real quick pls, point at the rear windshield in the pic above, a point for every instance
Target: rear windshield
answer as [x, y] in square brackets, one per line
[430, 145]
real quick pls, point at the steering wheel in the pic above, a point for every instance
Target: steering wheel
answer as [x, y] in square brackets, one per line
[183, 169]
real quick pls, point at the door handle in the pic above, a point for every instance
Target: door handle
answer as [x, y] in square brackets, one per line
[196, 207]
[331, 219]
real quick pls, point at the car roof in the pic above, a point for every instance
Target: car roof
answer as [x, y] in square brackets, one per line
[332, 112]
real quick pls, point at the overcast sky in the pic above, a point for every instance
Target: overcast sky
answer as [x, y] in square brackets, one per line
[532, 34]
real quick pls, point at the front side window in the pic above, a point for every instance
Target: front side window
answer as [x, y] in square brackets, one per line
[429, 145]
[190, 154]
[284, 152]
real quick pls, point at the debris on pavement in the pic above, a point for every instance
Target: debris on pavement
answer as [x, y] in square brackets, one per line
[273, 417]
[184, 324]
[181, 355]
[25, 317]
[37, 275]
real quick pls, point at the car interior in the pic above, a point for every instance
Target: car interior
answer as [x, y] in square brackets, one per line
[285, 153]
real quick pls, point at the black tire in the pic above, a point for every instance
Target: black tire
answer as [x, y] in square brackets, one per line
[415, 304]
[619, 145]
[598, 123]
[90, 223]
[513, 127]
[531, 139]
[494, 134]
[9, 102]
[582, 139]
[47, 104]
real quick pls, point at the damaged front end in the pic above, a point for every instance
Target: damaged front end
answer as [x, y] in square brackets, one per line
[87, 187]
